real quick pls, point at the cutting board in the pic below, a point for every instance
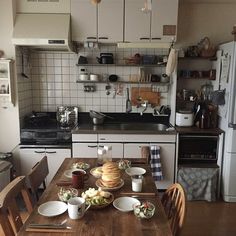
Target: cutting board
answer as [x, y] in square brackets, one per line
[145, 93]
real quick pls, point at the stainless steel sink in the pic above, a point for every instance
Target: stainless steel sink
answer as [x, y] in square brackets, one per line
[143, 126]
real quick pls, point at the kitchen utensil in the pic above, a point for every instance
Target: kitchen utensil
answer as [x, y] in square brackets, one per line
[135, 171]
[128, 103]
[113, 78]
[23, 67]
[67, 115]
[77, 208]
[52, 208]
[125, 204]
[93, 77]
[184, 118]
[82, 60]
[105, 58]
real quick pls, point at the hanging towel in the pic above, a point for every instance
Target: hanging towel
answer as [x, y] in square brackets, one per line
[171, 62]
[156, 163]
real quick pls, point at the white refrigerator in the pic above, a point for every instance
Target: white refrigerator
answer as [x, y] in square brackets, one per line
[226, 76]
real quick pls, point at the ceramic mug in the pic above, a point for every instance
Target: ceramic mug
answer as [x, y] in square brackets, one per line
[77, 208]
[78, 178]
[93, 77]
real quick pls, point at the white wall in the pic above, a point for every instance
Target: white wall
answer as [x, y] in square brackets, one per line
[9, 118]
[214, 19]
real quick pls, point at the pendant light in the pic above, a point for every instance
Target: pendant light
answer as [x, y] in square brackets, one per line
[95, 1]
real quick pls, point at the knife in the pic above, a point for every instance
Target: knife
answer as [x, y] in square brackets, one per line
[48, 226]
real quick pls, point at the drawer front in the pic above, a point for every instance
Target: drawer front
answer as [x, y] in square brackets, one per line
[84, 137]
[133, 150]
[86, 150]
[137, 138]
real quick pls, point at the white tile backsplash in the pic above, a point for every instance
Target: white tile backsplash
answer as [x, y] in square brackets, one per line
[53, 80]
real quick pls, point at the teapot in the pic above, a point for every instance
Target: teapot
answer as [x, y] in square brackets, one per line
[105, 58]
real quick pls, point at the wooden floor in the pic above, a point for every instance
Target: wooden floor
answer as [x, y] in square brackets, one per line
[210, 219]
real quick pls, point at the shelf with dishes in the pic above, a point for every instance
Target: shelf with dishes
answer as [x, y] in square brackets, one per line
[124, 65]
[122, 82]
[6, 81]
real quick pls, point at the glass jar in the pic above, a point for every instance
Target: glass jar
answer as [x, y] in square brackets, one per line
[108, 153]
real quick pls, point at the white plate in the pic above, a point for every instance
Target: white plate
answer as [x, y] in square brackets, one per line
[125, 204]
[135, 171]
[95, 173]
[104, 188]
[52, 208]
[68, 173]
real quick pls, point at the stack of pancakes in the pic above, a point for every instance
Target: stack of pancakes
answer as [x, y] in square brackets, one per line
[110, 174]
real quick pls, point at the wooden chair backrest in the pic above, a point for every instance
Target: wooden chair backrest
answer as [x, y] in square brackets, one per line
[37, 175]
[8, 205]
[174, 203]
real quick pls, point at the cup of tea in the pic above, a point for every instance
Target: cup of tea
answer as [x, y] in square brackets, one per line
[78, 178]
[77, 208]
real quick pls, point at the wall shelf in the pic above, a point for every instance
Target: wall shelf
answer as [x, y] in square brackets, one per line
[123, 82]
[124, 65]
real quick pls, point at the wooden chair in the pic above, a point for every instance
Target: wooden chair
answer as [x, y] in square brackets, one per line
[10, 218]
[37, 176]
[174, 203]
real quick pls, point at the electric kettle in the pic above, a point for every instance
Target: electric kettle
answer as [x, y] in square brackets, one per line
[105, 58]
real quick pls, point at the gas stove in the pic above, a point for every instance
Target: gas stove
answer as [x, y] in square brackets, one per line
[43, 128]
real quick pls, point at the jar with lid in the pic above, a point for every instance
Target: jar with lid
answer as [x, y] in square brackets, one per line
[104, 154]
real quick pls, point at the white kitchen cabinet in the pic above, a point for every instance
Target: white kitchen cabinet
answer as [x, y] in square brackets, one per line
[133, 150]
[157, 25]
[6, 78]
[164, 18]
[167, 155]
[28, 157]
[85, 150]
[102, 22]
[137, 23]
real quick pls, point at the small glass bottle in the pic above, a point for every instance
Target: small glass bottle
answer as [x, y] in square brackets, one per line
[101, 153]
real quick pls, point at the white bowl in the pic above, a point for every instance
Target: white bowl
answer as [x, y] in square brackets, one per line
[125, 204]
[135, 171]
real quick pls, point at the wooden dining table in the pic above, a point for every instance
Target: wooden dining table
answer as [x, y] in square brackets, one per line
[107, 221]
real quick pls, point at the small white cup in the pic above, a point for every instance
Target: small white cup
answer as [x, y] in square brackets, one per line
[93, 77]
[137, 183]
[76, 208]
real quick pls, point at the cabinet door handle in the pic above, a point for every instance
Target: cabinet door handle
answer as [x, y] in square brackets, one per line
[103, 37]
[144, 38]
[102, 146]
[156, 38]
[102, 139]
[39, 152]
[92, 146]
[91, 37]
[51, 152]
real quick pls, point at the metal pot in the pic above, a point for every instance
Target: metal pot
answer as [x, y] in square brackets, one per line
[98, 121]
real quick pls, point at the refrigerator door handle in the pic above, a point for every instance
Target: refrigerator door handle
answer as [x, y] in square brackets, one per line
[232, 104]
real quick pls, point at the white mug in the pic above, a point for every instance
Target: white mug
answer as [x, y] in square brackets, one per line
[93, 77]
[76, 208]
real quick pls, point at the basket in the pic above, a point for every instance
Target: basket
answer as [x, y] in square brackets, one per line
[206, 48]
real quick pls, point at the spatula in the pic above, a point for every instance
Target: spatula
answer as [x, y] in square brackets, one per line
[128, 103]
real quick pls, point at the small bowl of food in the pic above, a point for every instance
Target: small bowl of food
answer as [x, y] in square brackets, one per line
[145, 210]
[80, 165]
[65, 194]
[124, 164]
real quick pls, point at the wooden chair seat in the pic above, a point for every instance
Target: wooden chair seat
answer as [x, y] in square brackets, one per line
[174, 203]
[10, 218]
[37, 176]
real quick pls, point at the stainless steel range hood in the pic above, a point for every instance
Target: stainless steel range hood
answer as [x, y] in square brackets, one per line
[43, 31]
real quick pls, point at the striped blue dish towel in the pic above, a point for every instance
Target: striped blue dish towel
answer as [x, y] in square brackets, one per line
[155, 162]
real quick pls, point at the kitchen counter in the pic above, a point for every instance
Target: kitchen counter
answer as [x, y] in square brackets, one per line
[196, 130]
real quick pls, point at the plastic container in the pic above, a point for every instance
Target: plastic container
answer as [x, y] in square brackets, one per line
[104, 154]
[5, 170]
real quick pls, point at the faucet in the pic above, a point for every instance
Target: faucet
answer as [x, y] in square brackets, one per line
[145, 105]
